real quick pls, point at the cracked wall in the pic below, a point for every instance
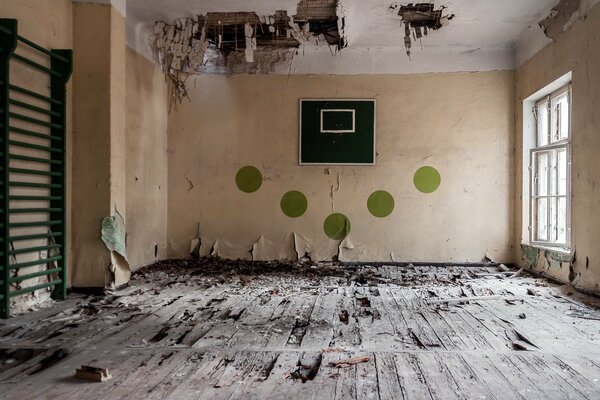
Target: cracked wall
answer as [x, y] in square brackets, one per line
[243, 120]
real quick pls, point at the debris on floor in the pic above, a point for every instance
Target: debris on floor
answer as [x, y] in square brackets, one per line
[221, 329]
[93, 374]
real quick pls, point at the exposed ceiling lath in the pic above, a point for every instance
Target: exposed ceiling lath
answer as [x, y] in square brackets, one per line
[418, 19]
[234, 42]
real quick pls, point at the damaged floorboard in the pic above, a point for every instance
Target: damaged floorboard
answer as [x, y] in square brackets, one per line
[212, 329]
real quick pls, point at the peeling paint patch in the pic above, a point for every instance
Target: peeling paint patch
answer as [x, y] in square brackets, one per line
[267, 250]
[302, 246]
[560, 18]
[224, 249]
[114, 236]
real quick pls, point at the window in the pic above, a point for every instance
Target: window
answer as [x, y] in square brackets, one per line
[549, 164]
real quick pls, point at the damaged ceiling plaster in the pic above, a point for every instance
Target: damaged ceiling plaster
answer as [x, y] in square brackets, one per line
[483, 35]
[419, 19]
[243, 42]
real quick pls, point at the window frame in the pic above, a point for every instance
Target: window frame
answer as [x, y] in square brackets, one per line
[548, 148]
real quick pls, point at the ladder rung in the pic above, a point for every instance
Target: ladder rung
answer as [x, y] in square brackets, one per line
[33, 108]
[43, 261]
[33, 172]
[34, 288]
[34, 134]
[34, 275]
[34, 198]
[34, 159]
[36, 185]
[35, 65]
[33, 210]
[33, 224]
[34, 94]
[35, 236]
[35, 146]
[34, 120]
[41, 49]
[34, 249]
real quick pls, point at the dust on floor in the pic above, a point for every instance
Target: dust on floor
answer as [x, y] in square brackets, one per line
[213, 329]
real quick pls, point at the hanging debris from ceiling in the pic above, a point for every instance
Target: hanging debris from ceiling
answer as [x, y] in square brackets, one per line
[418, 19]
[242, 42]
[322, 19]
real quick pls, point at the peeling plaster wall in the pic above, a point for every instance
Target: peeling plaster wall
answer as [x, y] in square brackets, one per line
[147, 111]
[578, 50]
[50, 25]
[461, 123]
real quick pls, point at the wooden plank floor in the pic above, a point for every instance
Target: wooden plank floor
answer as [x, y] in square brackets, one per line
[234, 330]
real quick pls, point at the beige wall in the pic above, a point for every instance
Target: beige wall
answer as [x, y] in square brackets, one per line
[460, 123]
[147, 109]
[91, 127]
[99, 162]
[50, 25]
[578, 51]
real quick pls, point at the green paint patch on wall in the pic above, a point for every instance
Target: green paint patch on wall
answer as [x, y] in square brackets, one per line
[294, 204]
[337, 226]
[427, 179]
[248, 179]
[380, 204]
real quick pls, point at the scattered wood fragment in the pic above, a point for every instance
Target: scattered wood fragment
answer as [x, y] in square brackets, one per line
[93, 374]
[464, 299]
[503, 268]
[349, 362]
[532, 292]
[520, 345]
[333, 350]
[517, 274]
[308, 366]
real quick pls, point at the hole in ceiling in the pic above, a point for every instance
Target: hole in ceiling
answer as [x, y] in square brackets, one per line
[418, 19]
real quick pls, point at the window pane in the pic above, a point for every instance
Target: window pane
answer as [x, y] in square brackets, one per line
[562, 220]
[542, 124]
[540, 216]
[553, 220]
[553, 184]
[559, 128]
[562, 171]
[541, 174]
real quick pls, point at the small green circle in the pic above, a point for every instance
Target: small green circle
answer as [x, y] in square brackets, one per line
[427, 179]
[380, 203]
[248, 179]
[294, 204]
[337, 226]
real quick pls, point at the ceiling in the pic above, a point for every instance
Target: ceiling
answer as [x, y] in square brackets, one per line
[482, 35]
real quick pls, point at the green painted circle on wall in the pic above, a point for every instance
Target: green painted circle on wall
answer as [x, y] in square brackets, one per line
[248, 179]
[337, 226]
[294, 204]
[427, 179]
[380, 204]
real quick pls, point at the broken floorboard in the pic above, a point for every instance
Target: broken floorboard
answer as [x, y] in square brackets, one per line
[212, 329]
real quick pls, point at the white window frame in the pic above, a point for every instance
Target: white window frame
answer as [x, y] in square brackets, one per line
[548, 148]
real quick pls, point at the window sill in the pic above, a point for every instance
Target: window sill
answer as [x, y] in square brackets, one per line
[560, 250]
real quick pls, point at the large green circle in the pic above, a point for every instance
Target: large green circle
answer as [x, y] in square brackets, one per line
[248, 179]
[427, 179]
[294, 204]
[337, 226]
[380, 203]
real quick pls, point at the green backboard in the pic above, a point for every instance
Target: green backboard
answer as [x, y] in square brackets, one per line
[337, 131]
